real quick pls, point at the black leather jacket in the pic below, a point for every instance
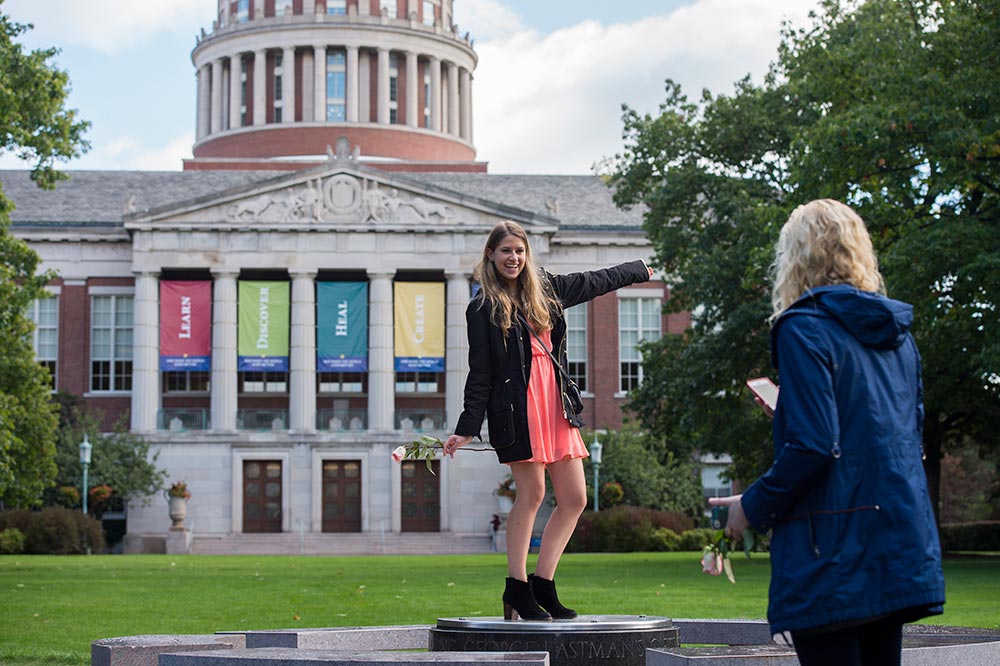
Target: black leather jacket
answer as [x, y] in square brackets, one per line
[499, 367]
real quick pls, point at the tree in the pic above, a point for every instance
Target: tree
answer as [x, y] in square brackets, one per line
[120, 459]
[35, 125]
[888, 105]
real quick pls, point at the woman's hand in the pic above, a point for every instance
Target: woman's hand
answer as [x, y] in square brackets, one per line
[454, 443]
[737, 521]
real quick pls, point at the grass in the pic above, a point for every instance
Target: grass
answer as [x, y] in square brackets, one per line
[54, 606]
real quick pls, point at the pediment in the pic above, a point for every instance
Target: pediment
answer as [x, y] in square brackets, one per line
[339, 196]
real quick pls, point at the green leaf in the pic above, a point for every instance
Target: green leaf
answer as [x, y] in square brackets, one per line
[749, 540]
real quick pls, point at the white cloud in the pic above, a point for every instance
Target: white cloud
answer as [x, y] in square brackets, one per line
[488, 19]
[552, 104]
[108, 26]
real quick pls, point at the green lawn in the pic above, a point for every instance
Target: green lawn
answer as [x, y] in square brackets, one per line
[52, 606]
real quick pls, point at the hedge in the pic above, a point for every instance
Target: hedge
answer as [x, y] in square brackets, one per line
[55, 531]
[981, 535]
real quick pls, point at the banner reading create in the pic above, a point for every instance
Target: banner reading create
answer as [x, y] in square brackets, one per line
[341, 327]
[263, 326]
[185, 325]
[419, 331]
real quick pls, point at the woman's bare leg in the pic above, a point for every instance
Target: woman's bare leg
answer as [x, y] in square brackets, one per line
[529, 478]
[571, 499]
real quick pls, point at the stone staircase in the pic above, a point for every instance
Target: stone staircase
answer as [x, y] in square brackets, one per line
[342, 543]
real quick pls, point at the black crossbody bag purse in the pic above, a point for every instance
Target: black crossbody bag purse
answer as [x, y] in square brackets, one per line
[571, 396]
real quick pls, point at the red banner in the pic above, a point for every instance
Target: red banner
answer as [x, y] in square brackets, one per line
[185, 325]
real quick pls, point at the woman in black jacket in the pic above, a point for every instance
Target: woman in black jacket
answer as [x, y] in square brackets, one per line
[514, 321]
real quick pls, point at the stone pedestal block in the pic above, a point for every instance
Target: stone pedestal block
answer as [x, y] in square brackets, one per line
[145, 650]
[591, 640]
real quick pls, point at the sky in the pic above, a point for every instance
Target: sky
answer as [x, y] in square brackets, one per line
[548, 89]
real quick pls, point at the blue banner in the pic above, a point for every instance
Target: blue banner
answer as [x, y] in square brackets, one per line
[341, 327]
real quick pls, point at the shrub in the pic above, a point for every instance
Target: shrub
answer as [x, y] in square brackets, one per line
[11, 541]
[61, 531]
[665, 540]
[624, 529]
[695, 539]
[19, 519]
[981, 535]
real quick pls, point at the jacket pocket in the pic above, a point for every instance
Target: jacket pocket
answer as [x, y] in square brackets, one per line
[501, 428]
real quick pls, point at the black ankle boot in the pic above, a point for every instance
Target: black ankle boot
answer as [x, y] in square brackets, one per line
[518, 602]
[545, 594]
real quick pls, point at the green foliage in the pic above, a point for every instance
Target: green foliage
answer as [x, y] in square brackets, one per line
[695, 539]
[120, 459]
[665, 540]
[625, 529]
[55, 531]
[648, 475]
[35, 125]
[12, 541]
[888, 105]
[982, 536]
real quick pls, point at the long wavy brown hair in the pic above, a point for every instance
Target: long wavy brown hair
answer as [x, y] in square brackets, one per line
[535, 299]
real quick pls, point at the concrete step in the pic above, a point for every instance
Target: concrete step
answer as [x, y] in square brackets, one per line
[342, 543]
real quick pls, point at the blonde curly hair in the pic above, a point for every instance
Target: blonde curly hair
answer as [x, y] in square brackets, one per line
[824, 242]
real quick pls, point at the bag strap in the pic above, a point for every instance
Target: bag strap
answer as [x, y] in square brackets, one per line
[548, 351]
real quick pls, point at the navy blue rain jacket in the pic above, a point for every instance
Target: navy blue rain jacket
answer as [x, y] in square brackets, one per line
[853, 536]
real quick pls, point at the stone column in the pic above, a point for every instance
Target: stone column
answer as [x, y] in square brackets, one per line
[235, 75]
[319, 84]
[453, 99]
[353, 87]
[465, 100]
[146, 352]
[259, 87]
[302, 363]
[435, 105]
[411, 89]
[224, 379]
[382, 116]
[381, 368]
[216, 97]
[258, 9]
[204, 101]
[288, 84]
[308, 86]
[456, 346]
[309, 7]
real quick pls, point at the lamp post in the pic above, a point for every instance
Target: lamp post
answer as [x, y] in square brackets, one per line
[85, 448]
[596, 449]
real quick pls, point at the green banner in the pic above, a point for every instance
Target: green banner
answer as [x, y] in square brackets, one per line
[263, 326]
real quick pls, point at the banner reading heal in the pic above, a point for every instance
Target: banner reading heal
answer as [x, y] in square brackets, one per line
[263, 326]
[185, 325]
[419, 330]
[341, 327]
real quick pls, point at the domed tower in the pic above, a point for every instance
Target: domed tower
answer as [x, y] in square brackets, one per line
[279, 81]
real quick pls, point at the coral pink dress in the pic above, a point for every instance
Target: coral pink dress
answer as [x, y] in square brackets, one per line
[552, 437]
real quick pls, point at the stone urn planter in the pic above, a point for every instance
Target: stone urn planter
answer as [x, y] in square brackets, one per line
[178, 512]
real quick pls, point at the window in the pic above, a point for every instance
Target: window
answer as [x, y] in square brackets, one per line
[263, 382]
[242, 11]
[186, 382]
[244, 120]
[111, 343]
[278, 72]
[576, 344]
[638, 320]
[336, 6]
[341, 382]
[417, 382]
[393, 90]
[427, 96]
[428, 13]
[336, 86]
[45, 338]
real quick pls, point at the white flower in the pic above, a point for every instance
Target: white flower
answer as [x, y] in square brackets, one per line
[398, 454]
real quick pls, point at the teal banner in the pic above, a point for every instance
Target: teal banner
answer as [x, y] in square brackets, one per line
[341, 326]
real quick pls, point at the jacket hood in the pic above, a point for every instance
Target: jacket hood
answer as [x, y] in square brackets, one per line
[874, 320]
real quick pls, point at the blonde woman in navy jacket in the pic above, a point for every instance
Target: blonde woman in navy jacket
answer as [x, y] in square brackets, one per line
[513, 383]
[854, 548]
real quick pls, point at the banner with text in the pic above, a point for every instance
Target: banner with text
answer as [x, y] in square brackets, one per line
[185, 325]
[419, 330]
[263, 326]
[341, 327]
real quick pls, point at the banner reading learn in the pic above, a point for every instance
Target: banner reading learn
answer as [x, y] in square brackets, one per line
[341, 326]
[263, 326]
[419, 334]
[185, 325]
